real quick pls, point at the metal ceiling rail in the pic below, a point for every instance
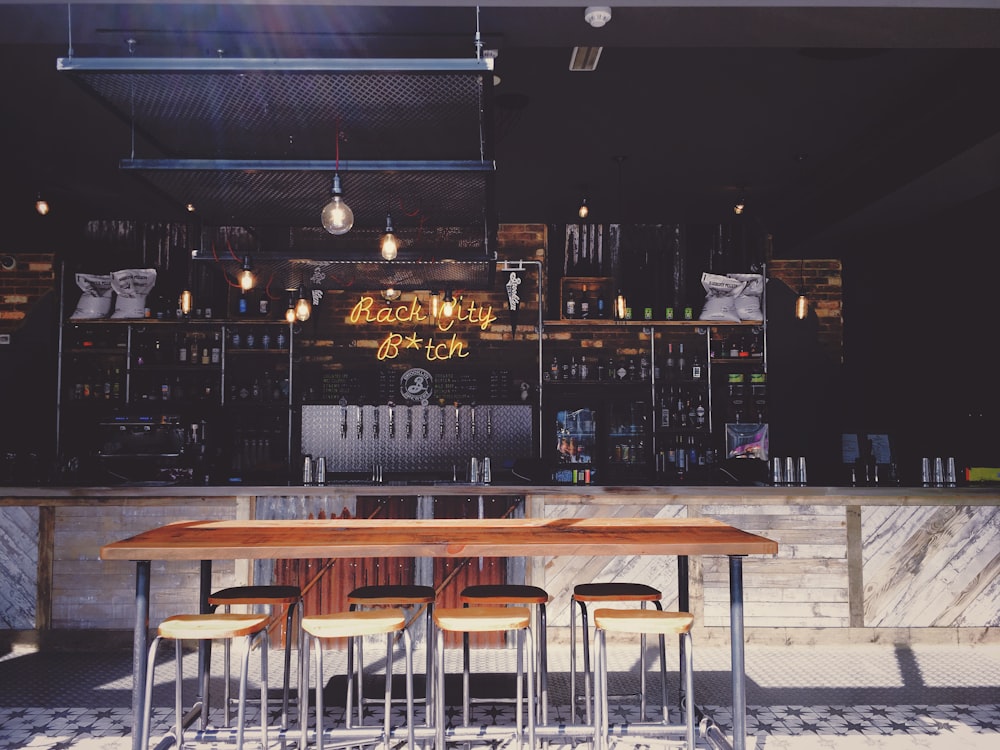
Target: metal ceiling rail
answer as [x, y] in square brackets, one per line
[307, 165]
[276, 65]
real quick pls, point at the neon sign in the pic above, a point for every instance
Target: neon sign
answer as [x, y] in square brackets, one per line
[368, 310]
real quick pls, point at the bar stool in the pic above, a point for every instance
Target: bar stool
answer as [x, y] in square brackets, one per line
[651, 622]
[355, 626]
[289, 597]
[209, 627]
[397, 595]
[613, 591]
[485, 619]
[514, 594]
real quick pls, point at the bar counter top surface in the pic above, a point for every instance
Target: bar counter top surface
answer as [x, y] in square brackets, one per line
[68, 495]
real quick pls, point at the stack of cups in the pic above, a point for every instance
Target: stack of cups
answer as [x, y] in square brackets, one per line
[787, 471]
[943, 473]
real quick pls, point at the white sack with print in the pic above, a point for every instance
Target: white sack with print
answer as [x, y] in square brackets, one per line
[95, 297]
[748, 305]
[132, 285]
[720, 301]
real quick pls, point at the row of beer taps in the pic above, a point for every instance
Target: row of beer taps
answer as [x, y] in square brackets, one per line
[424, 412]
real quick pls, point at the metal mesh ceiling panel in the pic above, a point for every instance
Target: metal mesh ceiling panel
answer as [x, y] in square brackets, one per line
[415, 198]
[296, 115]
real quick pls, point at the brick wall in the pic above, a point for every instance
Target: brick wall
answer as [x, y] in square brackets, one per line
[32, 277]
[822, 282]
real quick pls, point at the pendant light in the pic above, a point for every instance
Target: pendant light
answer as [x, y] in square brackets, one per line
[620, 306]
[185, 302]
[41, 206]
[389, 247]
[303, 308]
[801, 302]
[435, 305]
[448, 305]
[584, 210]
[290, 312]
[337, 216]
[247, 279]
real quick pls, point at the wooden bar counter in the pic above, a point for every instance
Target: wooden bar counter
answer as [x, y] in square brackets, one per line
[855, 564]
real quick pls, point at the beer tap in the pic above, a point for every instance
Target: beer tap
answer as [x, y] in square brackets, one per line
[409, 422]
[489, 421]
[361, 422]
[392, 420]
[343, 420]
[377, 422]
[442, 421]
[426, 422]
[458, 424]
[472, 418]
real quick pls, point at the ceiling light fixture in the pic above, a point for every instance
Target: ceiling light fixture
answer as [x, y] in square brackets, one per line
[597, 15]
[585, 58]
[337, 216]
[435, 304]
[247, 279]
[448, 305]
[41, 205]
[391, 294]
[584, 210]
[389, 247]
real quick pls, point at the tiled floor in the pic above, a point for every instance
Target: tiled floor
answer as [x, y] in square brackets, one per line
[845, 698]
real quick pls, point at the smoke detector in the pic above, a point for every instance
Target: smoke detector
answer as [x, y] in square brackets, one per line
[597, 15]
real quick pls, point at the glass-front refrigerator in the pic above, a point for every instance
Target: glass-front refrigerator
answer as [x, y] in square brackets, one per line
[595, 437]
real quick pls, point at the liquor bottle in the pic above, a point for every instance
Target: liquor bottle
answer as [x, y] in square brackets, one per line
[205, 357]
[182, 350]
[681, 369]
[633, 372]
[670, 363]
[193, 356]
[216, 356]
[574, 370]
[571, 305]
[584, 369]
[700, 413]
[601, 311]
[242, 304]
[696, 368]
[264, 304]
[644, 368]
[282, 339]
[665, 420]
[554, 369]
[585, 303]
[116, 385]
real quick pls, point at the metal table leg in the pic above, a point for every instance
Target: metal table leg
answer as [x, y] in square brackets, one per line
[140, 646]
[738, 662]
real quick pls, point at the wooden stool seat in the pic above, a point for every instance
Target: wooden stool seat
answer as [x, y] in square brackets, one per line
[211, 626]
[615, 591]
[485, 619]
[650, 621]
[256, 595]
[354, 624]
[394, 594]
[504, 593]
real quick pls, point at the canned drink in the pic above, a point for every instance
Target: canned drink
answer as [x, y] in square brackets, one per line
[628, 313]
[647, 313]
[668, 314]
[688, 313]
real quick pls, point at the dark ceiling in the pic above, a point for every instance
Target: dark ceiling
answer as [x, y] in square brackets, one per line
[831, 120]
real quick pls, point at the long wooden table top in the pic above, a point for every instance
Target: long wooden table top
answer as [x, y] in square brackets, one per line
[328, 538]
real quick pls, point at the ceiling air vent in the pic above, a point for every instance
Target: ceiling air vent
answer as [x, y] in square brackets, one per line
[585, 58]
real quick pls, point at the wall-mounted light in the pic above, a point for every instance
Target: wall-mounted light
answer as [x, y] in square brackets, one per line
[185, 302]
[584, 209]
[740, 206]
[290, 312]
[448, 305]
[391, 294]
[303, 307]
[389, 247]
[41, 205]
[435, 305]
[247, 279]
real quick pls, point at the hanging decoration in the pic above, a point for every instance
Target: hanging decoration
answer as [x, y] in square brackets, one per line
[513, 299]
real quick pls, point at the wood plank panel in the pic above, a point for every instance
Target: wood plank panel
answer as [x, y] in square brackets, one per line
[18, 567]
